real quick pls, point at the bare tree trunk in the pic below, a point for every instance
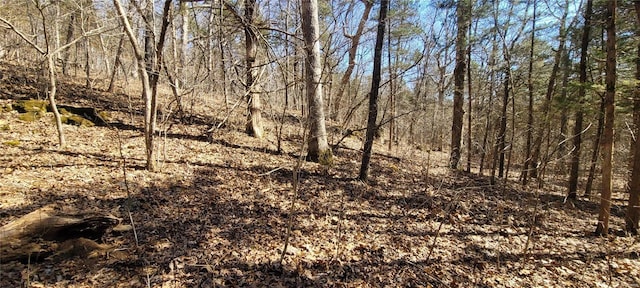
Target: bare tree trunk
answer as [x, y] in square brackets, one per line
[373, 95]
[527, 161]
[319, 150]
[392, 87]
[116, 63]
[632, 217]
[146, 86]
[564, 116]
[285, 75]
[223, 66]
[87, 63]
[502, 133]
[437, 129]
[609, 104]
[69, 38]
[513, 131]
[469, 103]
[546, 106]
[577, 128]
[355, 41]
[487, 128]
[180, 54]
[254, 117]
[52, 98]
[595, 152]
[462, 13]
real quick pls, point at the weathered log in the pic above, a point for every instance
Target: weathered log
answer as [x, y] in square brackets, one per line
[38, 234]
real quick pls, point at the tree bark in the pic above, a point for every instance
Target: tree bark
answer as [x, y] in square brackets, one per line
[608, 134]
[146, 86]
[355, 41]
[254, 117]
[564, 116]
[502, 132]
[595, 152]
[69, 37]
[546, 106]
[487, 128]
[373, 95]
[632, 217]
[51, 68]
[470, 100]
[577, 128]
[87, 63]
[462, 13]
[527, 161]
[34, 235]
[116, 63]
[319, 150]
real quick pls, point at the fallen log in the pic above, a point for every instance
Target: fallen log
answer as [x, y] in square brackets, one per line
[38, 234]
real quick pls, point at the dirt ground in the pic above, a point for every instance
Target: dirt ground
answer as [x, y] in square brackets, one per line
[217, 212]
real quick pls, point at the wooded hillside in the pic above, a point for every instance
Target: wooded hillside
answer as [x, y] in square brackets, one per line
[319, 143]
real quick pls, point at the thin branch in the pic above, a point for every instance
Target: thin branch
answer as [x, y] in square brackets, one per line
[24, 37]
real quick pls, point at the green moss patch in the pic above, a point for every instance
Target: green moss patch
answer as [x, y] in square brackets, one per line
[32, 110]
[90, 114]
[30, 116]
[13, 143]
[7, 108]
[31, 105]
[325, 158]
[74, 119]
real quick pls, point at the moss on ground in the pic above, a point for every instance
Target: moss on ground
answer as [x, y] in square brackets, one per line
[74, 119]
[13, 143]
[325, 158]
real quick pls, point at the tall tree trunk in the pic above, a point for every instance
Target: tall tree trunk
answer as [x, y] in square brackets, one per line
[319, 150]
[223, 64]
[353, 49]
[254, 117]
[632, 217]
[373, 95]
[469, 102]
[51, 68]
[527, 161]
[577, 128]
[595, 152]
[564, 117]
[149, 81]
[69, 38]
[609, 104]
[502, 133]
[150, 102]
[487, 126]
[184, 37]
[392, 85]
[462, 14]
[513, 131]
[87, 63]
[158, 61]
[551, 85]
[437, 129]
[116, 63]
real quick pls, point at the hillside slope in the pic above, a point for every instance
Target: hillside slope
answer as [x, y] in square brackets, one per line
[216, 213]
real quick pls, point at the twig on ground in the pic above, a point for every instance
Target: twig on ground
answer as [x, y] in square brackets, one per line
[126, 185]
[296, 181]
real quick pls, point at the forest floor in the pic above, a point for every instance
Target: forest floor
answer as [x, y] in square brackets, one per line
[216, 213]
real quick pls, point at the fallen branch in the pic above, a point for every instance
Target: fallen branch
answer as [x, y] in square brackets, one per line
[39, 232]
